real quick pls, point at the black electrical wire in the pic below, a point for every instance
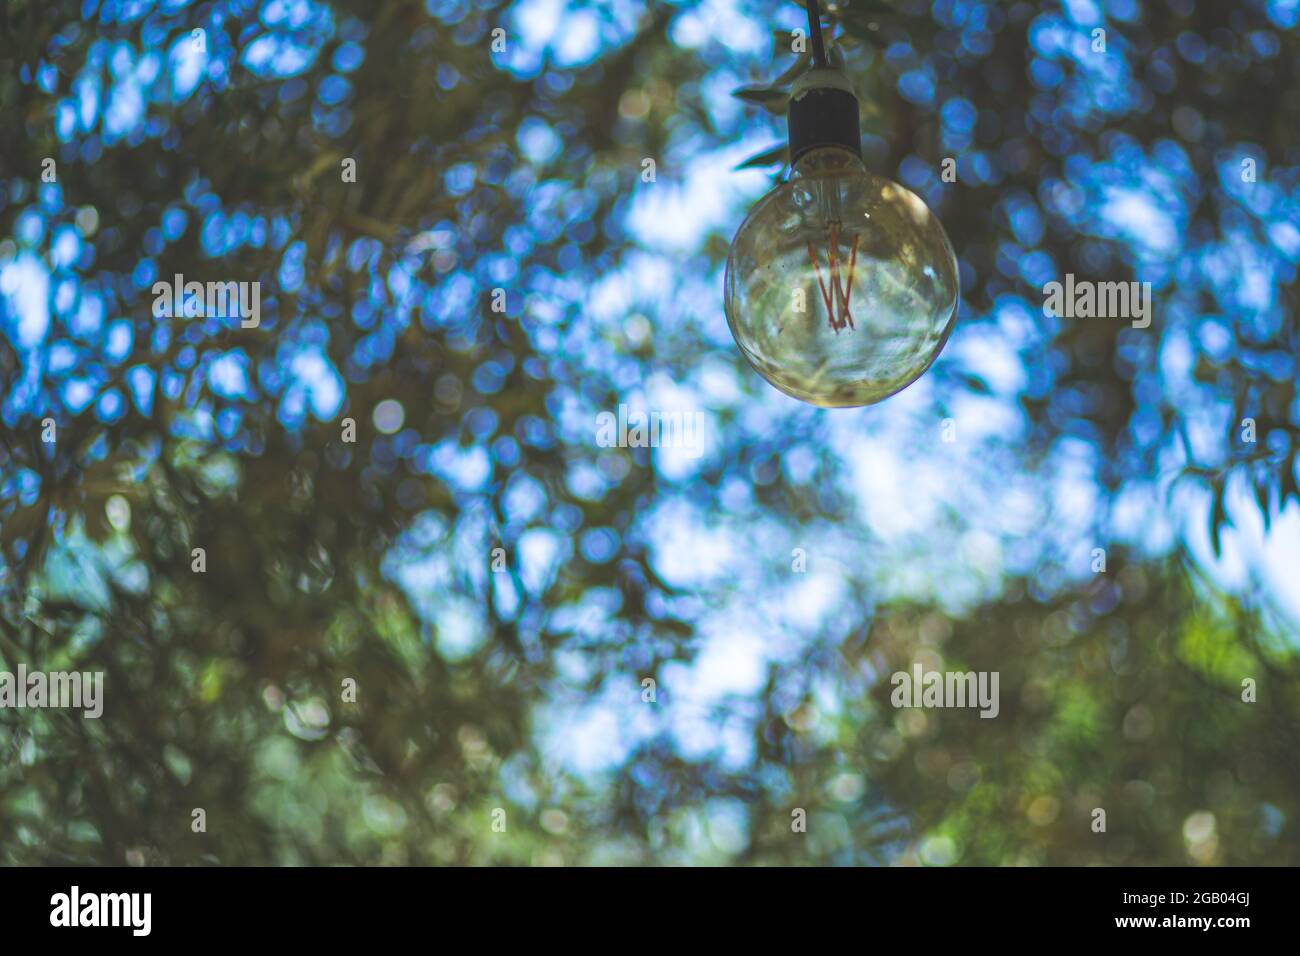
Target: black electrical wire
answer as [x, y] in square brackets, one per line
[815, 31]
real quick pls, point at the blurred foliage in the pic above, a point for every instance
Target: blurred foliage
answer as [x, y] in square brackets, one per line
[1122, 691]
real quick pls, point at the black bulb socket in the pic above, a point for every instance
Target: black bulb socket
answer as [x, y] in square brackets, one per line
[823, 112]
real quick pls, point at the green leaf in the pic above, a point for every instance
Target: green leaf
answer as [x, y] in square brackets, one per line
[782, 41]
[1218, 517]
[770, 99]
[777, 154]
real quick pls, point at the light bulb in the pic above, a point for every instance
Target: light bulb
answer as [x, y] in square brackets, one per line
[841, 286]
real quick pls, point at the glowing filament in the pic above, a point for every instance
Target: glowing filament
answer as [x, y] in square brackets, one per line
[840, 294]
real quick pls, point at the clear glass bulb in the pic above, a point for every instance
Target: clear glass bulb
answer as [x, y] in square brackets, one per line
[841, 286]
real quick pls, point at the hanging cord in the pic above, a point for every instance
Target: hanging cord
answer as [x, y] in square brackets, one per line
[815, 32]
